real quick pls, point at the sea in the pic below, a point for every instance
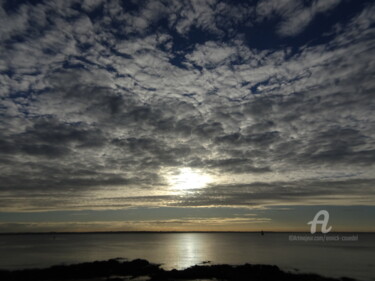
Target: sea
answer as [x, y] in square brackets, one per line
[294, 252]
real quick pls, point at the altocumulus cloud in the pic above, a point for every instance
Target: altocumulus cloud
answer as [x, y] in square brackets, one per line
[273, 99]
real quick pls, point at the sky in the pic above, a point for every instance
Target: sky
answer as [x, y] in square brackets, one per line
[178, 115]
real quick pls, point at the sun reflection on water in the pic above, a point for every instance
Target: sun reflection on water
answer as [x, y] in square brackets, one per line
[191, 249]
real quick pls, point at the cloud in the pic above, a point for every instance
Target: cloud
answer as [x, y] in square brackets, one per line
[98, 104]
[192, 224]
[295, 16]
[301, 192]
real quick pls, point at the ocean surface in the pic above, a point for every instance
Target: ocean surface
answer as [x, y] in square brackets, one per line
[354, 259]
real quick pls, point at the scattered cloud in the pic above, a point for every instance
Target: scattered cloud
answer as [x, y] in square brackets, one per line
[100, 98]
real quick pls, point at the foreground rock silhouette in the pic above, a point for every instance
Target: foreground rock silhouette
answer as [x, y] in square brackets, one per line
[116, 269]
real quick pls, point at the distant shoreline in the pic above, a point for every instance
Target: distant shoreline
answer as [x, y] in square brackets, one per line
[161, 232]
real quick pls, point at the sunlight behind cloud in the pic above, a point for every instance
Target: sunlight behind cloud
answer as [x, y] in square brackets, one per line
[187, 178]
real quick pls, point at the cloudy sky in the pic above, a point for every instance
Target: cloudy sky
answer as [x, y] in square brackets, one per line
[186, 115]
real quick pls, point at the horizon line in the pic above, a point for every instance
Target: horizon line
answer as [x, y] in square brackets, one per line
[172, 231]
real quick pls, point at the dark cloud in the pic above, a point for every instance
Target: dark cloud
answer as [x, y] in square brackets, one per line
[290, 193]
[52, 138]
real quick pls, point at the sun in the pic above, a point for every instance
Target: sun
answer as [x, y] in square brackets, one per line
[187, 179]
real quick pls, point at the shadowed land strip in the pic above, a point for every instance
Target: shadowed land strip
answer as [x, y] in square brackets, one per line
[107, 270]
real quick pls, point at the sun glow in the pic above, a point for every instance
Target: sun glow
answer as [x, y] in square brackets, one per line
[187, 179]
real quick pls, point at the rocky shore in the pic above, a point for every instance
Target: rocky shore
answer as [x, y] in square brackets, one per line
[118, 270]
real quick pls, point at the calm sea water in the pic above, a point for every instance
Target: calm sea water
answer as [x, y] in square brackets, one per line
[180, 250]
